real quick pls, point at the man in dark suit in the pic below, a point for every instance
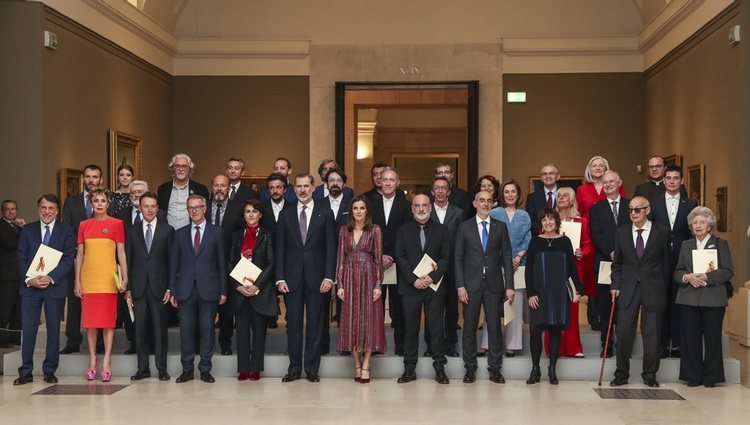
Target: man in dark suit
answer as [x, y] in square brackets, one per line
[604, 218]
[640, 275]
[671, 209]
[458, 197]
[338, 200]
[321, 191]
[483, 266]
[173, 194]
[376, 173]
[545, 198]
[450, 216]
[198, 285]
[10, 228]
[238, 192]
[305, 255]
[76, 209]
[147, 248]
[389, 211]
[46, 291]
[227, 216]
[281, 166]
[654, 187]
[415, 239]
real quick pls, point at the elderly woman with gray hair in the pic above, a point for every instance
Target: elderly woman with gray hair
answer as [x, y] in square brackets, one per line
[704, 270]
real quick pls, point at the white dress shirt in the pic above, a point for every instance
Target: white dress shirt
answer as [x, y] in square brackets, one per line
[673, 204]
[335, 204]
[646, 230]
[277, 208]
[387, 205]
[441, 212]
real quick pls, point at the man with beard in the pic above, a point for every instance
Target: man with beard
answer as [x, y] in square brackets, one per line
[173, 194]
[321, 191]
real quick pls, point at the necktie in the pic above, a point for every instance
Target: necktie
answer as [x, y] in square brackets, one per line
[303, 224]
[217, 219]
[150, 237]
[137, 217]
[46, 235]
[422, 237]
[234, 192]
[549, 199]
[89, 211]
[197, 240]
[614, 211]
[639, 246]
[485, 236]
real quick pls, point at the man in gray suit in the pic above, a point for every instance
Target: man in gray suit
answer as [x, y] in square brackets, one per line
[484, 277]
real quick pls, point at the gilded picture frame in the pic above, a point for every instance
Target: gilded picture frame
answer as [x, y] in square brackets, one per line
[69, 183]
[696, 183]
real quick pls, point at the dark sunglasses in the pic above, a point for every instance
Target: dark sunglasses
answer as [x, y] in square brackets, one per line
[636, 210]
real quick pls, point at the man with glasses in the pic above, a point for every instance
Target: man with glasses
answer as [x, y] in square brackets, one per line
[640, 276]
[198, 285]
[458, 196]
[544, 198]
[173, 194]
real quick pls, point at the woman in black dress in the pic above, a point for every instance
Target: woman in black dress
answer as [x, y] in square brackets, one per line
[550, 262]
[255, 302]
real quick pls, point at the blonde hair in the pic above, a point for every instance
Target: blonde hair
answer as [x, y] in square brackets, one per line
[573, 204]
[587, 172]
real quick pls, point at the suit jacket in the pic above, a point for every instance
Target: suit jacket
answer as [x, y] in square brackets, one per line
[164, 192]
[602, 226]
[409, 253]
[536, 201]
[651, 274]
[243, 194]
[715, 293]
[265, 302]
[307, 263]
[230, 222]
[206, 270]
[149, 270]
[400, 214]
[62, 239]
[651, 190]
[9, 236]
[453, 217]
[319, 193]
[470, 261]
[269, 220]
[680, 232]
[343, 215]
[74, 212]
[289, 195]
[126, 216]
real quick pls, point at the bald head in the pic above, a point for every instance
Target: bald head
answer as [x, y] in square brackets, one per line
[220, 188]
[421, 208]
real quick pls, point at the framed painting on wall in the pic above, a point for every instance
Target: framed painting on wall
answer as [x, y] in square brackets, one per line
[673, 160]
[254, 181]
[721, 209]
[69, 183]
[696, 183]
[124, 149]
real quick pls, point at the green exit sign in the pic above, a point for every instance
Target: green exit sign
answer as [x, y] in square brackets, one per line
[516, 97]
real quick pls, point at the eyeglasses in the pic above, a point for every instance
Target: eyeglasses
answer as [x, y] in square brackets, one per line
[195, 208]
[637, 210]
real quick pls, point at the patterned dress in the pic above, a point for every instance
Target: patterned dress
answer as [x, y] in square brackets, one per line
[118, 202]
[359, 271]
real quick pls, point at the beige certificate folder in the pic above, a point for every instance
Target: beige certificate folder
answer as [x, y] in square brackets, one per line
[572, 230]
[508, 313]
[426, 266]
[45, 260]
[519, 278]
[245, 269]
[705, 260]
[605, 273]
[389, 275]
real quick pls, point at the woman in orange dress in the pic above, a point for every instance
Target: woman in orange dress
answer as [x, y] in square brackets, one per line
[101, 246]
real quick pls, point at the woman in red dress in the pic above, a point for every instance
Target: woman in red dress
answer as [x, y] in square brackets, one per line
[359, 277]
[101, 246]
[590, 193]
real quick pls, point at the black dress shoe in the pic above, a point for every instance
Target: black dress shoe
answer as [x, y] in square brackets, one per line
[452, 353]
[481, 353]
[610, 350]
[313, 377]
[130, 350]
[665, 352]
[651, 382]
[25, 379]
[163, 376]
[207, 377]
[693, 383]
[70, 350]
[289, 378]
[595, 327]
[273, 324]
[709, 384]
[226, 351]
[675, 353]
[407, 376]
[496, 376]
[618, 382]
[428, 353]
[184, 377]
[441, 377]
[510, 353]
[140, 374]
[534, 376]
[50, 378]
[470, 376]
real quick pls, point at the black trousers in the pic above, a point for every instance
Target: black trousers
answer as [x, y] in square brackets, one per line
[251, 327]
[396, 311]
[150, 328]
[434, 306]
[73, 315]
[701, 357]
[9, 309]
[670, 330]
[492, 303]
[627, 320]
[604, 306]
[304, 303]
[225, 324]
[449, 317]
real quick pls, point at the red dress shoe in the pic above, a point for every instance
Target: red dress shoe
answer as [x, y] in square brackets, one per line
[254, 376]
[243, 376]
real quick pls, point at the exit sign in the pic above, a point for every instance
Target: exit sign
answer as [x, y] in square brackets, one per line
[516, 97]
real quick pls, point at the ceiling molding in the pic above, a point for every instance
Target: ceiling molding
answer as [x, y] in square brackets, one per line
[242, 57]
[670, 16]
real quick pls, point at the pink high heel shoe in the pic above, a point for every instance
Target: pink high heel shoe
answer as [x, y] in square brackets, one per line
[106, 375]
[91, 373]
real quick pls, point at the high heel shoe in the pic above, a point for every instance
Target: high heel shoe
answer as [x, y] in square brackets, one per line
[91, 373]
[357, 371]
[107, 372]
[552, 373]
[364, 380]
[535, 376]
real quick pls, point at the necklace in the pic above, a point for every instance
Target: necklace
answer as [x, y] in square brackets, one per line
[549, 241]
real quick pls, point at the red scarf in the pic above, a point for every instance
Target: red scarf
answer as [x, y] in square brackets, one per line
[248, 244]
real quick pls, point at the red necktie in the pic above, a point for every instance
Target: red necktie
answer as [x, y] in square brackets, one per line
[197, 240]
[549, 199]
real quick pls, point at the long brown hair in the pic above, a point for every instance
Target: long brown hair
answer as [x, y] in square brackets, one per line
[368, 216]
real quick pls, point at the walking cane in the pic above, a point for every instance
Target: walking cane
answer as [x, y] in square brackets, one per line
[606, 343]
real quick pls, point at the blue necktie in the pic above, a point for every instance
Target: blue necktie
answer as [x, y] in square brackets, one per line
[149, 237]
[485, 236]
[46, 235]
[89, 211]
[137, 217]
